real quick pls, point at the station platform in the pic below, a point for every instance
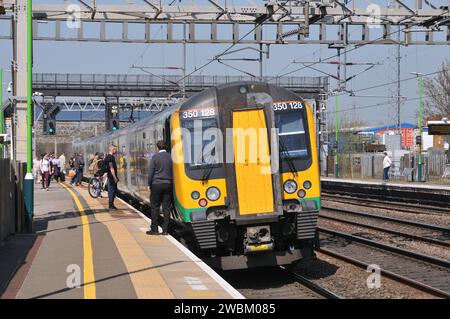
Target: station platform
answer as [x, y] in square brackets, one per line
[418, 185]
[80, 249]
[423, 193]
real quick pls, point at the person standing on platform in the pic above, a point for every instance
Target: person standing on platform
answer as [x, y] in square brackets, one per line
[50, 171]
[160, 178]
[110, 163]
[36, 168]
[62, 163]
[387, 162]
[45, 171]
[72, 168]
[56, 167]
[79, 167]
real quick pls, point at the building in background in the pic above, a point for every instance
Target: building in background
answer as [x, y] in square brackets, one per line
[381, 134]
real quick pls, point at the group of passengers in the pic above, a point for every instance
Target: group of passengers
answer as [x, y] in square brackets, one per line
[160, 179]
[49, 166]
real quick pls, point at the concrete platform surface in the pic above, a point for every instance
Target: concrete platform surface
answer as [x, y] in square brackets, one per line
[82, 250]
[398, 184]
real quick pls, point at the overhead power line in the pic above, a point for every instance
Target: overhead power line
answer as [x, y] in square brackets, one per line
[358, 47]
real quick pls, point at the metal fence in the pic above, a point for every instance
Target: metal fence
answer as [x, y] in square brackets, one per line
[436, 166]
[11, 199]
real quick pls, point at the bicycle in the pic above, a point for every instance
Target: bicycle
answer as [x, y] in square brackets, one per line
[97, 185]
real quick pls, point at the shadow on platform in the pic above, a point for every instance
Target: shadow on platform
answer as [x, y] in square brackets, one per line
[13, 254]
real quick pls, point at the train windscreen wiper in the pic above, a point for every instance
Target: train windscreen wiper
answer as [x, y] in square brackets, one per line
[208, 169]
[288, 157]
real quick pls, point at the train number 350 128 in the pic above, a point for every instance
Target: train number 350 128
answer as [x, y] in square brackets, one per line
[199, 113]
[284, 106]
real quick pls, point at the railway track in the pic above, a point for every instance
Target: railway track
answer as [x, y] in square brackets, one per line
[417, 231]
[429, 274]
[386, 204]
[276, 283]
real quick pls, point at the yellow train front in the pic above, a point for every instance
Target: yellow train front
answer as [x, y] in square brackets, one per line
[246, 180]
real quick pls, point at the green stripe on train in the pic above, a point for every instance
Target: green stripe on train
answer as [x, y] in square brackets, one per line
[186, 212]
[316, 199]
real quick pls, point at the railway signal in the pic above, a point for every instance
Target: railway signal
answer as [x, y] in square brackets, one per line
[418, 140]
[112, 117]
[49, 126]
[50, 119]
[114, 125]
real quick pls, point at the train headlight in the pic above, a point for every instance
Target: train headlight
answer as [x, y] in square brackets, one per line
[195, 195]
[301, 193]
[213, 193]
[290, 186]
[307, 185]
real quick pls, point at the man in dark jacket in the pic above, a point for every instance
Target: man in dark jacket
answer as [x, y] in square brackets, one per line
[160, 179]
[110, 165]
[79, 167]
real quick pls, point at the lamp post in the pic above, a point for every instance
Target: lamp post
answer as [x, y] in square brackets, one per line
[419, 162]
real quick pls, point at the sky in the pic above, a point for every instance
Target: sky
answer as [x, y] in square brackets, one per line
[80, 57]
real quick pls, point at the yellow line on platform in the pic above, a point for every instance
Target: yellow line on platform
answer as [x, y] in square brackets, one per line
[89, 287]
[147, 281]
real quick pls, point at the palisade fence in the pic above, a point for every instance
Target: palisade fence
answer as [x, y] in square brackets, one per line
[12, 207]
[436, 166]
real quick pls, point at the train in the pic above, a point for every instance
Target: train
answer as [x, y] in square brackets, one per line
[246, 189]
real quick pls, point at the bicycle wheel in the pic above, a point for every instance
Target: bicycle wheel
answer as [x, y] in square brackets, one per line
[94, 187]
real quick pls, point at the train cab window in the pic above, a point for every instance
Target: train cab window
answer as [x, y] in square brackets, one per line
[200, 147]
[292, 134]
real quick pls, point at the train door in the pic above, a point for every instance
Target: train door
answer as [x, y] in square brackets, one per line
[166, 134]
[251, 162]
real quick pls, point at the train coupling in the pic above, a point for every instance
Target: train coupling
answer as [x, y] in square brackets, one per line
[258, 238]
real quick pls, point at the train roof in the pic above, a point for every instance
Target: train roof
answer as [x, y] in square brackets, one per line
[137, 125]
[206, 98]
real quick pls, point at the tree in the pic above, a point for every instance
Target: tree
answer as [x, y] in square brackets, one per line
[438, 92]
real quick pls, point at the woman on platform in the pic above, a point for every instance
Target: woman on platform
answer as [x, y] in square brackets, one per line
[45, 172]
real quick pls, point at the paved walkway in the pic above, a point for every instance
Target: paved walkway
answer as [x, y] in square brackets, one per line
[81, 250]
